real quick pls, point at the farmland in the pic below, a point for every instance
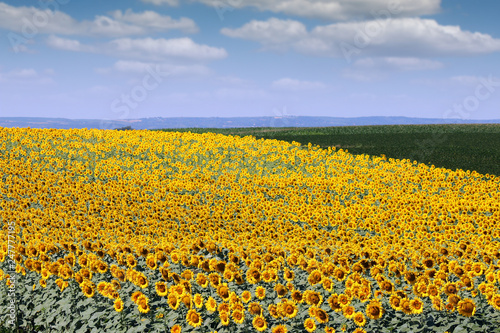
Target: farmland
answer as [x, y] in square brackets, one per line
[455, 146]
[176, 231]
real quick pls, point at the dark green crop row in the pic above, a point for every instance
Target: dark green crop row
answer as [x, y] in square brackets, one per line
[474, 147]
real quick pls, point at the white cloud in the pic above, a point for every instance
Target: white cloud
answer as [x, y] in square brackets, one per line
[153, 20]
[370, 69]
[399, 37]
[25, 76]
[397, 64]
[273, 32]
[145, 49]
[30, 21]
[138, 67]
[293, 84]
[183, 48]
[68, 44]
[326, 9]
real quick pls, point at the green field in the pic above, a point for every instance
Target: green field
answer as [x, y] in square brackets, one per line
[474, 147]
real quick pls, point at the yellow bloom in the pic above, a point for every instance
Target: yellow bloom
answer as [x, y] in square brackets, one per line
[118, 305]
[309, 325]
[193, 318]
[259, 323]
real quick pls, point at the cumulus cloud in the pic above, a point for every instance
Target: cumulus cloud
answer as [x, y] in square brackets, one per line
[68, 44]
[124, 66]
[145, 49]
[24, 76]
[293, 84]
[399, 37]
[370, 69]
[31, 21]
[397, 64]
[326, 9]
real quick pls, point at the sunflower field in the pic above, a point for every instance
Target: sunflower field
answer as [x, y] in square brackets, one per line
[141, 231]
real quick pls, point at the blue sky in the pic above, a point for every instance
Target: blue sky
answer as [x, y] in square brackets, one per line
[238, 58]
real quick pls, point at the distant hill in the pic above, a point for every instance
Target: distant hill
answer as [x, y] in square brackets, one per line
[216, 122]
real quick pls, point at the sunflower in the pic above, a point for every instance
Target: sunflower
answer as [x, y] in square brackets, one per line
[410, 277]
[267, 276]
[275, 311]
[136, 295]
[313, 297]
[151, 261]
[141, 280]
[259, 323]
[224, 318]
[405, 306]
[321, 315]
[348, 311]
[290, 309]
[416, 306]
[223, 291]
[466, 307]
[437, 303]
[327, 284]
[280, 329]
[359, 319]
[450, 288]
[214, 279]
[88, 290]
[238, 316]
[288, 275]
[223, 307]
[315, 277]
[280, 290]
[374, 310]
[339, 274]
[334, 303]
[344, 300]
[173, 301]
[297, 296]
[142, 305]
[187, 300]
[45, 273]
[198, 301]
[260, 292]
[495, 301]
[202, 280]
[193, 318]
[359, 330]
[176, 329]
[118, 305]
[395, 302]
[161, 289]
[329, 329]
[309, 325]
[253, 275]
[449, 307]
[246, 296]
[211, 304]
[255, 308]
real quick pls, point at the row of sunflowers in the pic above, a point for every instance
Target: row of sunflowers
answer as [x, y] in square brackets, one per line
[178, 232]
